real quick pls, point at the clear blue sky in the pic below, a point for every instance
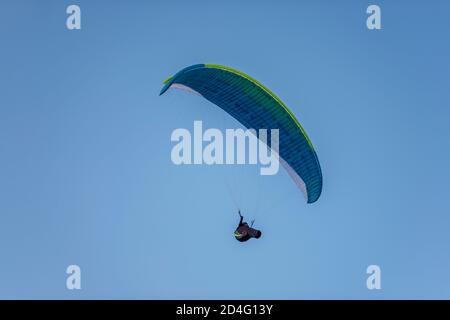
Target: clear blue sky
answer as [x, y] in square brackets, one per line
[86, 176]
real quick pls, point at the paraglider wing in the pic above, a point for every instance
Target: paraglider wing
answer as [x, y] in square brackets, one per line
[256, 107]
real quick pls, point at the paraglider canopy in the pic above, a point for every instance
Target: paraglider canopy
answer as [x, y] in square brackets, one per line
[256, 107]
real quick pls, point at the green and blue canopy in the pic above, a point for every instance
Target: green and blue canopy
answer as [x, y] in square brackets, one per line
[256, 107]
